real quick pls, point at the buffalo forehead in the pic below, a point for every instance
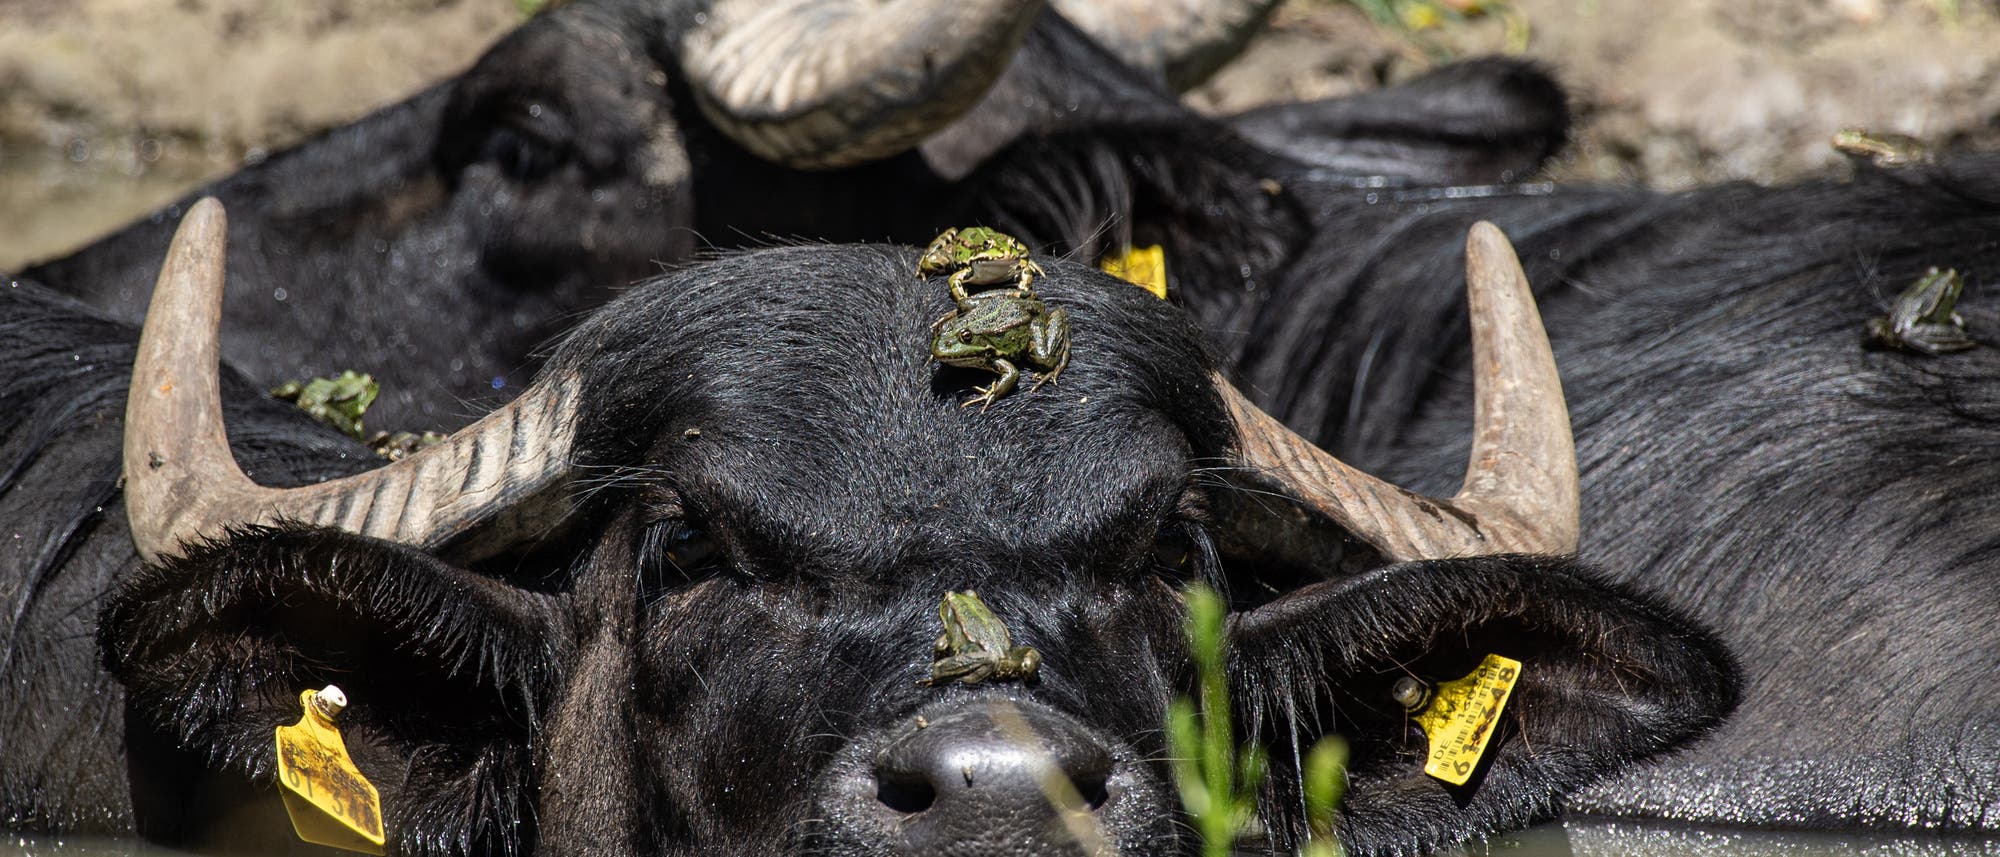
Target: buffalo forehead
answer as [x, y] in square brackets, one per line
[933, 478]
[818, 412]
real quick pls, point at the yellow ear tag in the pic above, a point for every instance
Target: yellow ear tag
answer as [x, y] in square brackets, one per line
[1461, 717]
[1145, 267]
[330, 802]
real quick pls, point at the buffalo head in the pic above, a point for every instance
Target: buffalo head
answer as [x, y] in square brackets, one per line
[680, 596]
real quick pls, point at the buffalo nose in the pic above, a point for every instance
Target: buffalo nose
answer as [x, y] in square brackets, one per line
[995, 778]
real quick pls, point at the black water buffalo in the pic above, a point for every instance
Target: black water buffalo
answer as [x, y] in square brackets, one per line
[1746, 444]
[679, 596]
[437, 242]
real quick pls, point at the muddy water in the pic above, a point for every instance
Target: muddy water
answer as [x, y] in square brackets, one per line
[1589, 838]
[52, 202]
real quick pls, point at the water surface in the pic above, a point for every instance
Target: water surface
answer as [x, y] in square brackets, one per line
[53, 202]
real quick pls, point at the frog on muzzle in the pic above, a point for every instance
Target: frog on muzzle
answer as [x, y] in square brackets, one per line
[975, 646]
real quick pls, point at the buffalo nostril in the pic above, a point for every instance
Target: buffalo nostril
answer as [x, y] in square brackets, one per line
[990, 775]
[993, 761]
[1092, 788]
[904, 795]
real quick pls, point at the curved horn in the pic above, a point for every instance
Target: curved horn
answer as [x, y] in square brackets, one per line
[1183, 40]
[182, 484]
[1520, 492]
[828, 83]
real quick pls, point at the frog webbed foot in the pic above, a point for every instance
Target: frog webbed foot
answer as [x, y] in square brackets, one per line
[1001, 386]
[1025, 281]
[1048, 376]
[1051, 347]
[1935, 339]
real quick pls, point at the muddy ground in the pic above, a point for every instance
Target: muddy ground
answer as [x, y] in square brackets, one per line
[1676, 92]
[110, 107]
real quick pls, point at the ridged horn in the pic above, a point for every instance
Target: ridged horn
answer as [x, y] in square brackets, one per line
[819, 84]
[1520, 492]
[1185, 41]
[182, 484]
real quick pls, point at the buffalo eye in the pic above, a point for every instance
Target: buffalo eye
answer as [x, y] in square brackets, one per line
[1183, 553]
[1182, 550]
[688, 548]
[1173, 550]
[527, 142]
[675, 553]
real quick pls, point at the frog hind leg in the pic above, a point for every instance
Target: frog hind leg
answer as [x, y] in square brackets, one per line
[1936, 339]
[966, 669]
[1050, 347]
[1029, 271]
[1001, 386]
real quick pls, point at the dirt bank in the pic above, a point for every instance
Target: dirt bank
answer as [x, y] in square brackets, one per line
[1674, 93]
[110, 107]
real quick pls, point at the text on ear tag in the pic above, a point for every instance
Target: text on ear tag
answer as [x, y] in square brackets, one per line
[330, 802]
[1145, 267]
[1460, 719]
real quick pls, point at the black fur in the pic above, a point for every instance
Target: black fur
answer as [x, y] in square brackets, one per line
[1825, 506]
[630, 703]
[1607, 677]
[64, 744]
[1822, 503]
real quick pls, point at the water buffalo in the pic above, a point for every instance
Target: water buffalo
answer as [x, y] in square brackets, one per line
[1745, 441]
[680, 596]
[439, 241]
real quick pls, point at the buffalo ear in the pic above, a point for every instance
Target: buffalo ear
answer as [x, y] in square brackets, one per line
[446, 672]
[1482, 121]
[1608, 677]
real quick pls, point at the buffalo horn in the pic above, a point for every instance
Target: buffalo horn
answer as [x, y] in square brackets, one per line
[1184, 41]
[819, 84]
[182, 484]
[1520, 491]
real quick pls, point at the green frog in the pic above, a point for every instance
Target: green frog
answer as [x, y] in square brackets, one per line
[1887, 151]
[1924, 318]
[338, 401]
[975, 646]
[399, 445]
[997, 331]
[978, 256]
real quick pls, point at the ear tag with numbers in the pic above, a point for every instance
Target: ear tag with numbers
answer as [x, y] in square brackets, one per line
[1461, 716]
[330, 802]
[1145, 267]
